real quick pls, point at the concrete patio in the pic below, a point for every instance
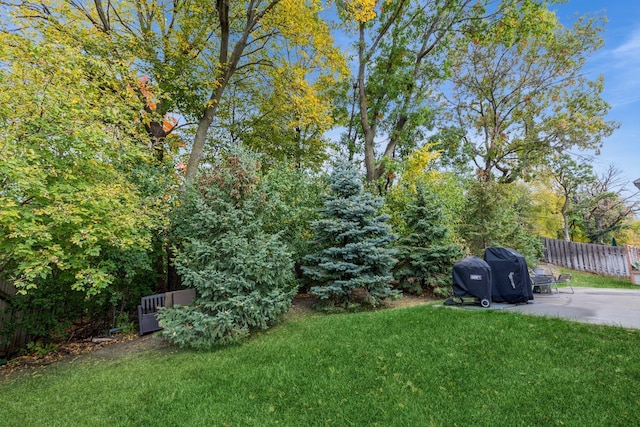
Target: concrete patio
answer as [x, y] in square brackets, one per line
[617, 307]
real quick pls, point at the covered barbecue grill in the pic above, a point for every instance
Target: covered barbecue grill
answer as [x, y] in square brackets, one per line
[472, 278]
[509, 274]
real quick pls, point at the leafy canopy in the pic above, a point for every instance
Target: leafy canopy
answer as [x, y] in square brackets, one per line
[519, 95]
[68, 144]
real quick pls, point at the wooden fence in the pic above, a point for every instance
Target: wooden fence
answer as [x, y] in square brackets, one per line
[633, 254]
[8, 344]
[601, 259]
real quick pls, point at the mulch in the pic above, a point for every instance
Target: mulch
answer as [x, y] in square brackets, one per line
[62, 351]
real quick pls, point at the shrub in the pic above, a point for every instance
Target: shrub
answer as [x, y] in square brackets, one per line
[54, 312]
[242, 275]
[295, 198]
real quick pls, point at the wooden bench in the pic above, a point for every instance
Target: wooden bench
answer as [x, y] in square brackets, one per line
[147, 313]
[148, 307]
[182, 297]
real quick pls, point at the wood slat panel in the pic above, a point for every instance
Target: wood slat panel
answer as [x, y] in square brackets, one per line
[601, 259]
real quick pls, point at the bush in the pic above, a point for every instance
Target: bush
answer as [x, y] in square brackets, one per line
[242, 275]
[295, 198]
[54, 312]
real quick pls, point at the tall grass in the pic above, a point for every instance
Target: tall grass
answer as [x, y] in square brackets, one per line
[418, 366]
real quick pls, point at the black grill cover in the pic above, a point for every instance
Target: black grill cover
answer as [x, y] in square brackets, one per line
[472, 277]
[510, 275]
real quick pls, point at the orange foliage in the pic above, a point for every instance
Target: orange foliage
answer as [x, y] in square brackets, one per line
[169, 123]
[146, 88]
[147, 91]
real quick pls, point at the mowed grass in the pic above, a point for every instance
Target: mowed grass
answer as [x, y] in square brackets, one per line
[589, 280]
[418, 366]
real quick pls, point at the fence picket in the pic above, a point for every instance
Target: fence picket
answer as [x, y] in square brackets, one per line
[19, 337]
[601, 259]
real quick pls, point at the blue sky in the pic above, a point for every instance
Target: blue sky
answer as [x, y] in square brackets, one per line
[619, 62]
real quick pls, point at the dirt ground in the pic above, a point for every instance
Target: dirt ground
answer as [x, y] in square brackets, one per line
[122, 345]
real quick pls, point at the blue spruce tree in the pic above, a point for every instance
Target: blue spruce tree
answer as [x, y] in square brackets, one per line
[353, 240]
[243, 275]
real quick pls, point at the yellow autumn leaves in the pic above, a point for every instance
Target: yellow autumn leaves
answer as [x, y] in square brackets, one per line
[362, 11]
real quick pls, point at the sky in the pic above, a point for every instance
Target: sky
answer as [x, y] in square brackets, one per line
[619, 62]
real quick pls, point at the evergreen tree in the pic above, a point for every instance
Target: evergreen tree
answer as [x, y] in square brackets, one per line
[353, 239]
[243, 276]
[426, 252]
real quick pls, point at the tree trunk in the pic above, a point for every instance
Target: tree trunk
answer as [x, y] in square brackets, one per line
[565, 227]
[197, 150]
[367, 130]
[173, 280]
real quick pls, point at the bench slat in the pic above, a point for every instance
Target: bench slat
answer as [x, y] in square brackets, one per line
[147, 312]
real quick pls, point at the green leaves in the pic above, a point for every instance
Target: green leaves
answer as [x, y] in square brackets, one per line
[499, 215]
[65, 193]
[519, 93]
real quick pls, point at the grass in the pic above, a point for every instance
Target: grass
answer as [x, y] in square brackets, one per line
[589, 280]
[417, 366]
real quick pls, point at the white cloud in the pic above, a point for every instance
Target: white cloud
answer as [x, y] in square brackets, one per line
[630, 49]
[619, 61]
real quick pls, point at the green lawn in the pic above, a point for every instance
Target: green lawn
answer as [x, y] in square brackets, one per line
[595, 281]
[417, 366]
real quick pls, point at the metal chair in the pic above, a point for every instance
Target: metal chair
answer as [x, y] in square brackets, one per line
[544, 282]
[565, 278]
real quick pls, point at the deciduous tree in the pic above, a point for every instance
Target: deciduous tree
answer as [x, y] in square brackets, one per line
[68, 158]
[404, 53]
[193, 51]
[398, 46]
[602, 206]
[519, 94]
[569, 176]
[284, 116]
[181, 59]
